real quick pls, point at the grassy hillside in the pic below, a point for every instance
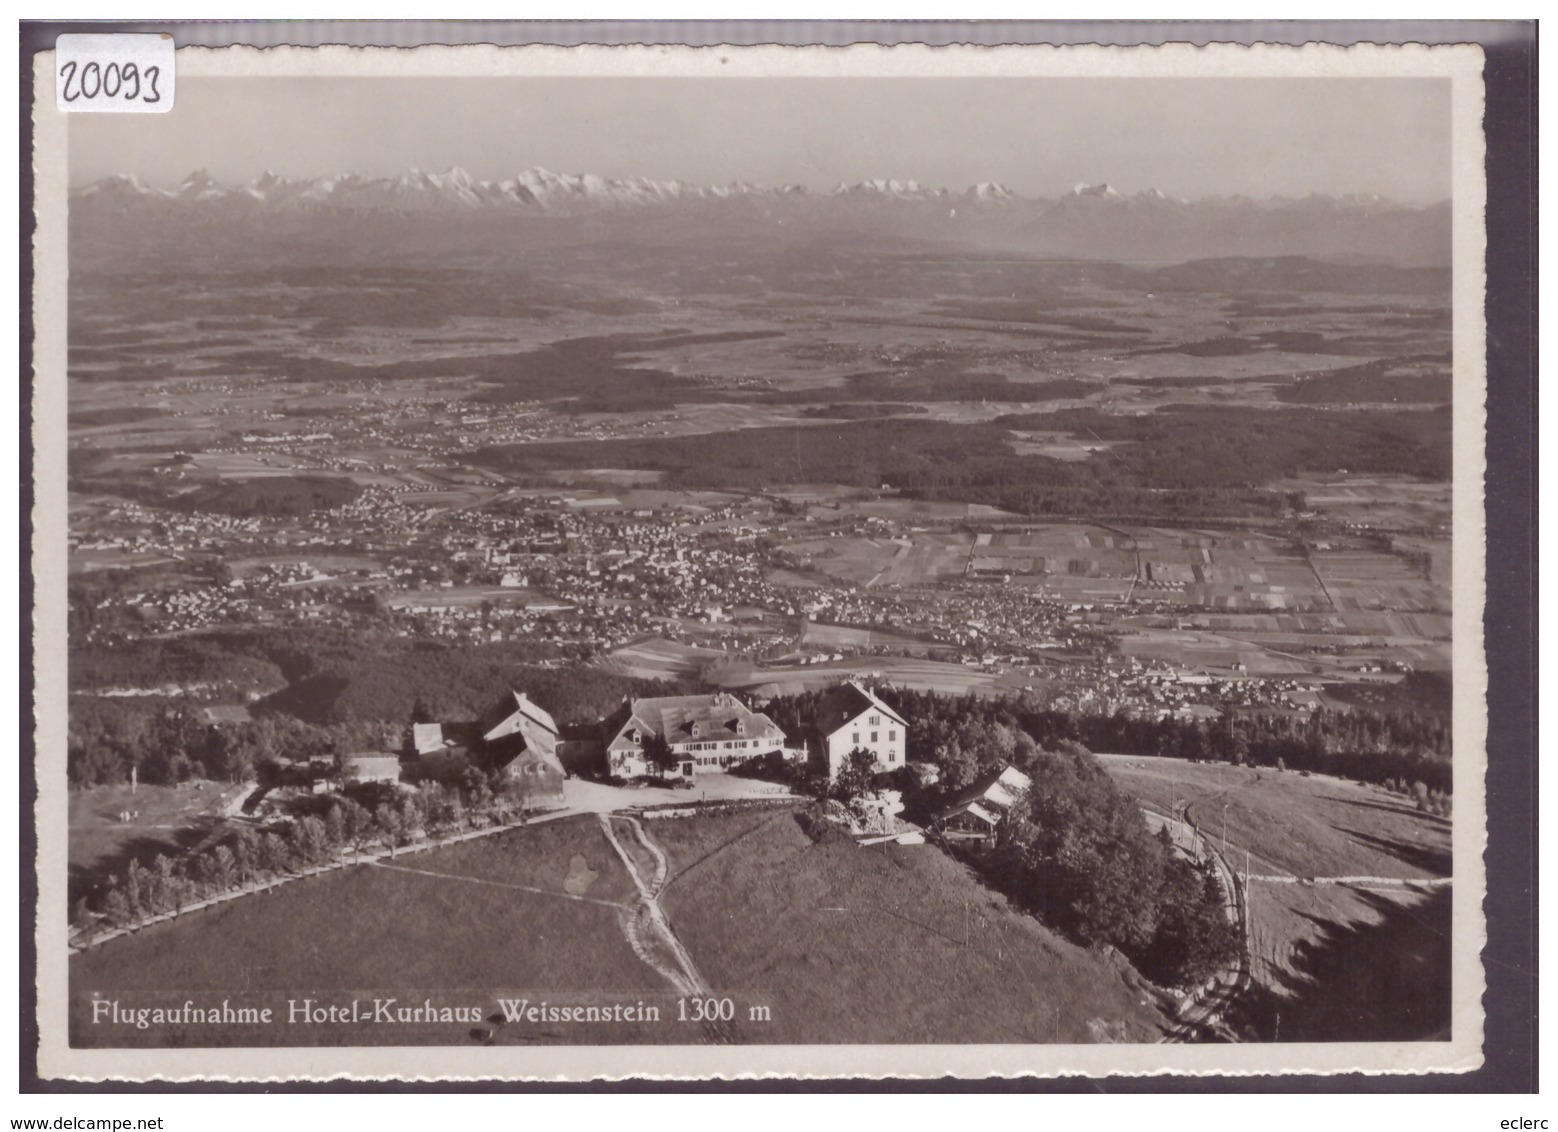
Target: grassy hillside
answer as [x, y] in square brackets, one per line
[1306, 826]
[886, 944]
[462, 928]
[1333, 962]
[840, 944]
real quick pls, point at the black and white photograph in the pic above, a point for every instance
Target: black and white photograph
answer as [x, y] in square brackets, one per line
[668, 561]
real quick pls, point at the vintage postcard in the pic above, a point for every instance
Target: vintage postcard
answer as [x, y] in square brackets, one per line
[570, 564]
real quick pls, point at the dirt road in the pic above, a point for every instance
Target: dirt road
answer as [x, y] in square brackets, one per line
[645, 923]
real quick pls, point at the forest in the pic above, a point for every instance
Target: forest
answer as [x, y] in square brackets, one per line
[338, 694]
[1160, 463]
[270, 496]
[964, 736]
[1077, 852]
[329, 678]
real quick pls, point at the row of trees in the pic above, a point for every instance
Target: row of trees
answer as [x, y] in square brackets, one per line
[342, 693]
[965, 735]
[1076, 850]
[168, 741]
[1373, 746]
[371, 817]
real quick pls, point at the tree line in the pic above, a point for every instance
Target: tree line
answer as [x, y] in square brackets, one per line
[1077, 851]
[963, 736]
[1153, 464]
[343, 693]
[364, 819]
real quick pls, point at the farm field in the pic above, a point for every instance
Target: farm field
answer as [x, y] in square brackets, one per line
[1059, 445]
[1370, 581]
[1382, 502]
[1230, 571]
[1307, 937]
[468, 596]
[853, 637]
[1208, 650]
[1224, 570]
[901, 672]
[1058, 553]
[919, 510]
[1333, 645]
[660, 659]
[1296, 628]
[886, 562]
[928, 954]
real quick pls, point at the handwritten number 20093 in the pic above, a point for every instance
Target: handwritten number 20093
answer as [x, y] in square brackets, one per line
[125, 81]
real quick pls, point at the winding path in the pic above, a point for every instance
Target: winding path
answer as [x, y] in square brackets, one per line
[645, 925]
[647, 929]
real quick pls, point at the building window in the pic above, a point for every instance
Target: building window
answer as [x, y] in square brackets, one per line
[855, 738]
[892, 756]
[892, 736]
[873, 736]
[876, 720]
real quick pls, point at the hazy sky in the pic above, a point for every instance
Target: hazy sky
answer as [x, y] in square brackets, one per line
[1188, 137]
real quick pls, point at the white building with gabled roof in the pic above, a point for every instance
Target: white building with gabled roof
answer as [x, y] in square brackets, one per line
[851, 717]
[706, 733]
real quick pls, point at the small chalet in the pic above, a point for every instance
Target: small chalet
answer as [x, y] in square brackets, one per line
[851, 717]
[983, 805]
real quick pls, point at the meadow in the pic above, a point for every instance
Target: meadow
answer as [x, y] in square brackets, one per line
[1316, 945]
[838, 943]
[886, 944]
[526, 911]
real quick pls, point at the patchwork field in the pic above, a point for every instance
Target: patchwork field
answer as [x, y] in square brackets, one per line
[1386, 503]
[1058, 553]
[1370, 581]
[1220, 570]
[1225, 571]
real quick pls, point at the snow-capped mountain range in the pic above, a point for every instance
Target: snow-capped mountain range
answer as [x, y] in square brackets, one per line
[1093, 220]
[541, 188]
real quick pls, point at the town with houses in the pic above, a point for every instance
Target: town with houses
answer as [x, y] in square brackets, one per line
[713, 582]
